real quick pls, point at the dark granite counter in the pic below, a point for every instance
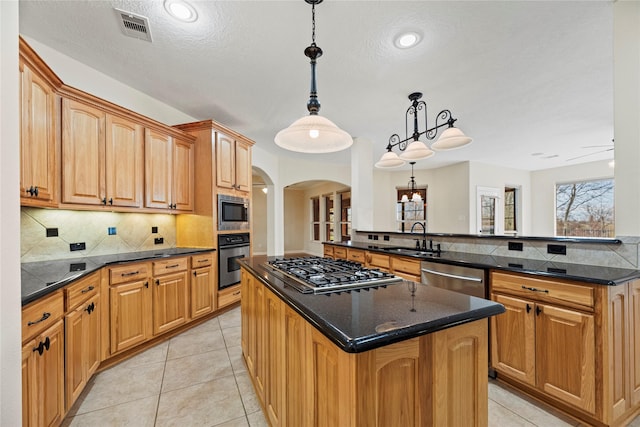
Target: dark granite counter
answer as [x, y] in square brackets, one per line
[43, 277]
[598, 275]
[363, 320]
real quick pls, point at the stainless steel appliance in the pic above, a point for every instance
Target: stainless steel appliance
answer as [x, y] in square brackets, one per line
[233, 213]
[466, 280]
[231, 247]
[323, 275]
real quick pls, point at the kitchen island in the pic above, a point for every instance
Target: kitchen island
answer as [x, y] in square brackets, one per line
[400, 354]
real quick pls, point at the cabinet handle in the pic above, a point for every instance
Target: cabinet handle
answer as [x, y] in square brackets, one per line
[33, 191]
[236, 293]
[546, 291]
[158, 282]
[203, 260]
[173, 266]
[89, 289]
[538, 310]
[146, 284]
[90, 308]
[39, 348]
[44, 317]
[47, 342]
[133, 273]
[104, 200]
[195, 274]
[528, 308]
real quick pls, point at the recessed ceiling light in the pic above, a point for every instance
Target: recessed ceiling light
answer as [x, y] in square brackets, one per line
[407, 40]
[181, 10]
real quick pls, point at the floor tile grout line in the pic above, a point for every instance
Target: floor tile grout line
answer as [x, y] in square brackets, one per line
[164, 370]
[513, 412]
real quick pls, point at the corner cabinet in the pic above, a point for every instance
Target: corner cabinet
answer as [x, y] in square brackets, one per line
[169, 172]
[39, 158]
[568, 343]
[233, 163]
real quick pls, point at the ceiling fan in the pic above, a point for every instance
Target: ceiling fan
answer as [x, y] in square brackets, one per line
[609, 147]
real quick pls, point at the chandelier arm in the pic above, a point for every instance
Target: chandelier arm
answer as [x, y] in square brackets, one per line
[444, 115]
[395, 141]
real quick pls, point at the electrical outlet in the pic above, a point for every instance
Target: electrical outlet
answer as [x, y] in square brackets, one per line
[154, 230]
[52, 232]
[77, 246]
[158, 240]
[370, 236]
[375, 237]
[386, 238]
[111, 231]
[557, 249]
[515, 246]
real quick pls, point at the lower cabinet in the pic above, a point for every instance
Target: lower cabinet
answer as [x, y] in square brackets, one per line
[130, 314]
[170, 305]
[43, 378]
[203, 290]
[229, 295]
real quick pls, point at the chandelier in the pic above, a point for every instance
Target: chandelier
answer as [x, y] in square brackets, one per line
[313, 133]
[413, 189]
[450, 138]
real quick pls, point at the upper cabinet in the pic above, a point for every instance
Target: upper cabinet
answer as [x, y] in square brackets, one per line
[169, 170]
[233, 163]
[39, 117]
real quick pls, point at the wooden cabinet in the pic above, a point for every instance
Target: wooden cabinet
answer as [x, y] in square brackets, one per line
[169, 172]
[634, 342]
[82, 334]
[129, 306]
[327, 250]
[228, 296]
[102, 157]
[339, 252]
[39, 109]
[170, 303]
[233, 163]
[407, 268]
[203, 287]
[356, 255]
[43, 362]
[377, 260]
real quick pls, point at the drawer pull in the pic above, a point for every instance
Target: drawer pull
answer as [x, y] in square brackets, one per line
[546, 291]
[133, 273]
[203, 260]
[89, 289]
[236, 293]
[44, 317]
[173, 266]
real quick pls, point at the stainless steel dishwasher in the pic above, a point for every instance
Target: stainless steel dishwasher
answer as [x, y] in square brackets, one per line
[466, 280]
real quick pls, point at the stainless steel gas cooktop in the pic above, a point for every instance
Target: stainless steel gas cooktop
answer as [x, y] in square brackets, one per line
[323, 275]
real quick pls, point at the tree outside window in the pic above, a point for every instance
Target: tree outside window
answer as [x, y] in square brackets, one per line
[345, 216]
[315, 218]
[585, 209]
[510, 218]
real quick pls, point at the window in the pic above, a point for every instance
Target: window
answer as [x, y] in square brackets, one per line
[345, 216]
[410, 212]
[315, 218]
[510, 212]
[328, 217]
[585, 209]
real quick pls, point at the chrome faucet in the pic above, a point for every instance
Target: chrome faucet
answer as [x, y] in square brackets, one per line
[424, 235]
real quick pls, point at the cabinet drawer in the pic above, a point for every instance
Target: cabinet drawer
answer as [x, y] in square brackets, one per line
[328, 251]
[376, 260]
[203, 260]
[40, 315]
[339, 253]
[128, 273]
[407, 266]
[356, 255]
[169, 266]
[544, 289]
[228, 296]
[81, 290]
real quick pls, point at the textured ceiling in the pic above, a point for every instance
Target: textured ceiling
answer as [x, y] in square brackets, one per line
[531, 82]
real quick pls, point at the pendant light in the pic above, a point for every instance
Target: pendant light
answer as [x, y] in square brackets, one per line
[413, 189]
[313, 133]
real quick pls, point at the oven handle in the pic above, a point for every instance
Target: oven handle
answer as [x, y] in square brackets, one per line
[452, 276]
[237, 245]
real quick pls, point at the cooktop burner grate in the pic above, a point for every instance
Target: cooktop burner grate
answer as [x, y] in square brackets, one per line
[323, 275]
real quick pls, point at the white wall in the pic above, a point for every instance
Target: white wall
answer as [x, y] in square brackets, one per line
[543, 184]
[10, 372]
[296, 213]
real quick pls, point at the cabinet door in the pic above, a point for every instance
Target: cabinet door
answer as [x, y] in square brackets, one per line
[130, 307]
[202, 292]
[243, 166]
[256, 347]
[75, 365]
[92, 335]
[247, 309]
[50, 376]
[169, 302]
[29, 386]
[183, 171]
[124, 162]
[158, 173]
[225, 161]
[37, 140]
[274, 351]
[513, 339]
[82, 153]
[634, 336]
[295, 364]
[565, 355]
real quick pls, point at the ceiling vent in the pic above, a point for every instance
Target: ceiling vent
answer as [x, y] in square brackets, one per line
[132, 25]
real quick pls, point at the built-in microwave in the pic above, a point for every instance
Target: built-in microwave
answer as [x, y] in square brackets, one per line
[233, 213]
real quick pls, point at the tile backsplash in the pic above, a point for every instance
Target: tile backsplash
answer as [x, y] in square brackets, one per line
[133, 232]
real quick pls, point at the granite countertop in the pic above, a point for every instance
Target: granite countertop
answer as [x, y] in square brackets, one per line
[43, 277]
[598, 275]
[363, 320]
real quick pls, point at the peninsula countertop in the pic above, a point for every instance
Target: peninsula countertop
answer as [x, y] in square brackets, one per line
[40, 278]
[598, 275]
[359, 321]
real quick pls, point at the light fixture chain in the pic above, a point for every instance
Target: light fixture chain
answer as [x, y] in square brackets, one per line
[313, 23]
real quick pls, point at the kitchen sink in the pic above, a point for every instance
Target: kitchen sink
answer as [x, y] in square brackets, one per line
[411, 252]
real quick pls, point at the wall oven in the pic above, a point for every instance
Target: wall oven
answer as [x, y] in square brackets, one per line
[231, 247]
[233, 213]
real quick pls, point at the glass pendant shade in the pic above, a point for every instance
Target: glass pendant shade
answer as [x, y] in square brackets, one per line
[404, 199]
[389, 160]
[450, 139]
[416, 197]
[417, 150]
[313, 134]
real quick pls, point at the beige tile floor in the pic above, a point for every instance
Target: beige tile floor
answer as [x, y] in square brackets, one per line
[199, 379]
